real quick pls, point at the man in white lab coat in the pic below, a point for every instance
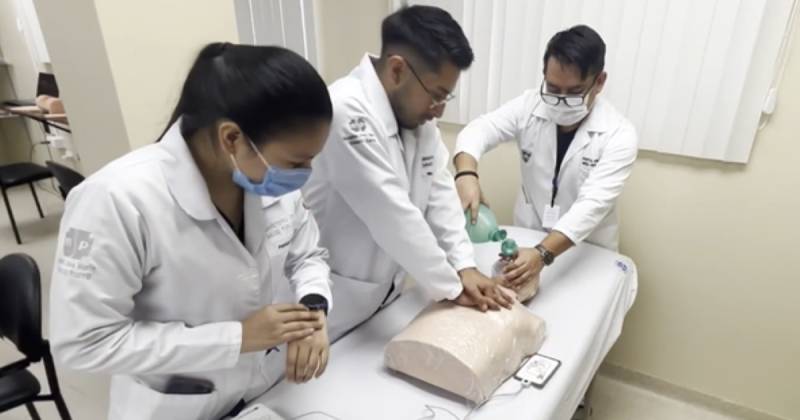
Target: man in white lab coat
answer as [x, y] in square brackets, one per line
[381, 191]
[576, 152]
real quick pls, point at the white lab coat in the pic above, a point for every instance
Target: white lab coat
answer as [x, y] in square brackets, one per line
[386, 204]
[150, 281]
[593, 171]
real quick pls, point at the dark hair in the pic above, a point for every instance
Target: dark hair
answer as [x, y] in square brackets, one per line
[263, 89]
[580, 46]
[429, 32]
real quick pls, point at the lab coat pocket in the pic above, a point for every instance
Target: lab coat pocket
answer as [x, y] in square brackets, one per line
[273, 366]
[132, 399]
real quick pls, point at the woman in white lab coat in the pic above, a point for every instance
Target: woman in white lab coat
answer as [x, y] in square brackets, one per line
[576, 151]
[180, 266]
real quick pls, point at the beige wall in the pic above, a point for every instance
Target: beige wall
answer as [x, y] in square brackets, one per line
[719, 260]
[120, 65]
[151, 45]
[715, 244]
[80, 61]
[346, 30]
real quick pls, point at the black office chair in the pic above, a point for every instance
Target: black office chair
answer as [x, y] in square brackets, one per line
[67, 178]
[21, 322]
[16, 174]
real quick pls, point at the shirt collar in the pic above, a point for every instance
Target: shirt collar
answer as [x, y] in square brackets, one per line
[184, 180]
[375, 92]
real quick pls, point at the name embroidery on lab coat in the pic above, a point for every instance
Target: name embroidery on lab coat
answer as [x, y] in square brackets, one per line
[586, 161]
[427, 163]
[279, 230]
[358, 132]
[77, 246]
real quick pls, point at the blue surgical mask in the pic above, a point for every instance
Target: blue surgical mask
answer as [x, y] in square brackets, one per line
[276, 181]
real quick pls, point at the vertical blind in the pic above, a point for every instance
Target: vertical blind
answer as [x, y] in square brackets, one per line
[288, 23]
[692, 75]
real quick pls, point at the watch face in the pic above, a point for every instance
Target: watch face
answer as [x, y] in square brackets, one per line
[547, 256]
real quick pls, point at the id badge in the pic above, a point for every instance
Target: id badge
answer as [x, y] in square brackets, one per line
[551, 216]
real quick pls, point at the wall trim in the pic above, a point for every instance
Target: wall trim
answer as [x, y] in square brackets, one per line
[687, 395]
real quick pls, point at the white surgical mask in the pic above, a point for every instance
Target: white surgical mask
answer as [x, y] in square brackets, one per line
[561, 113]
[564, 115]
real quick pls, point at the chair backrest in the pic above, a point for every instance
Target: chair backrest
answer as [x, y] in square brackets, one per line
[21, 305]
[66, 177]
[47, 85]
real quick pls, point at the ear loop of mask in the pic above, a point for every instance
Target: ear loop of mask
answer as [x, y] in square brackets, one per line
[260, 156]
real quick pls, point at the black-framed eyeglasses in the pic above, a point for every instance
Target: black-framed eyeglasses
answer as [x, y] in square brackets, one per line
[569, 100]
[435, 101]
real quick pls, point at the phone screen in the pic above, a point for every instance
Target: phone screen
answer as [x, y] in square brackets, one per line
[537, 370]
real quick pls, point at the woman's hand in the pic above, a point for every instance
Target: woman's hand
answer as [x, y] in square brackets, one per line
[273, 325]
[307, 358]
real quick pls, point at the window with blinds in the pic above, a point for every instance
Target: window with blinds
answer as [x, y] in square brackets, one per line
[692, 75]
[288, 23]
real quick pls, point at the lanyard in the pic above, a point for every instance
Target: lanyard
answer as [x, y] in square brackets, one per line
[558, 164]
[557, 170]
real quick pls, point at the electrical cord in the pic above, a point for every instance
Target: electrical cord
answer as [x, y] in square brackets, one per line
[432, 413]
[310, 413]
[780, 61]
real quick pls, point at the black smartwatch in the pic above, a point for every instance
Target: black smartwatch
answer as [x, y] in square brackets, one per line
[547, 256]
[315, 302]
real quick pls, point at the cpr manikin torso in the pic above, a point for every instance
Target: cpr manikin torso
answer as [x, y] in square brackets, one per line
[463, 350]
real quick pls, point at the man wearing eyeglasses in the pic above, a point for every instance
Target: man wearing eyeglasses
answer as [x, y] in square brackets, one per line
[576, 152]
[381, 191]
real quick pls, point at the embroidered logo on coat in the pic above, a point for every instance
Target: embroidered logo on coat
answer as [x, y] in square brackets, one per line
[77, 246]
[357, 124]
[357, 132]
[77, 243]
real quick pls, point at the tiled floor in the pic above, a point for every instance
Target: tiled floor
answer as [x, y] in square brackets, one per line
[87, 395]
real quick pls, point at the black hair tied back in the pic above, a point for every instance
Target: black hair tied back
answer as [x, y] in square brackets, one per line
[263, 89]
